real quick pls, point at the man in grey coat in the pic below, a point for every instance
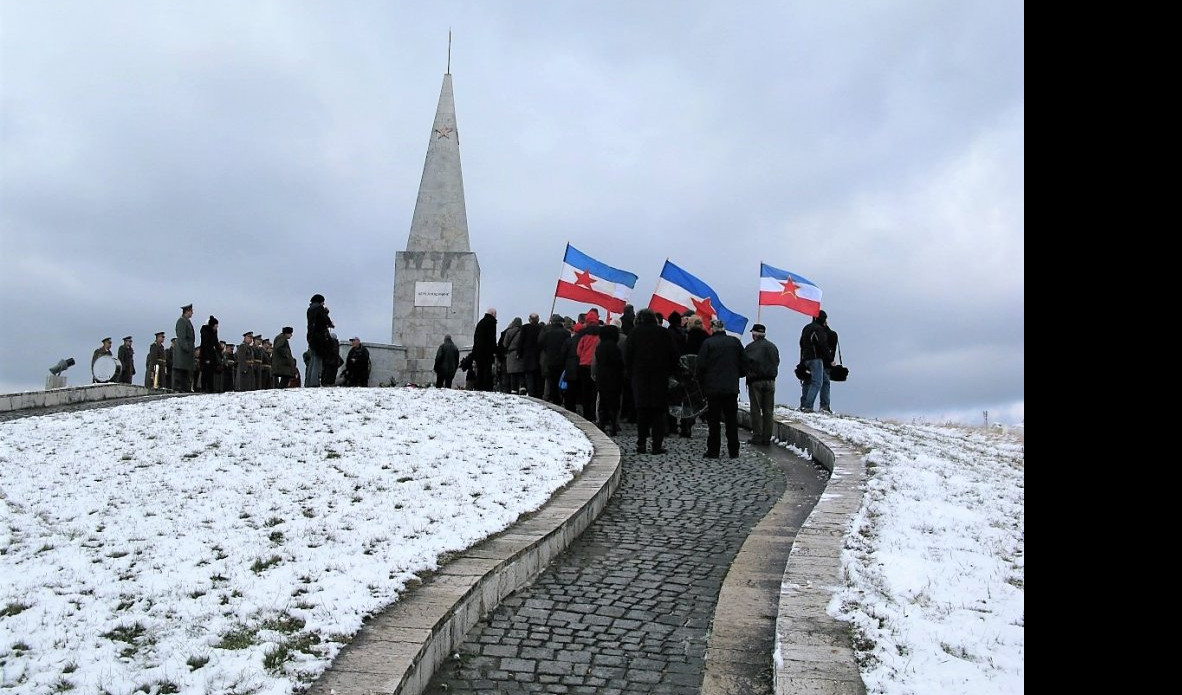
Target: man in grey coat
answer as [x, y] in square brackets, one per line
[183, 361]
[763, 366]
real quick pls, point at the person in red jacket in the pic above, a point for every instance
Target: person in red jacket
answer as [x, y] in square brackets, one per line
[587, 340]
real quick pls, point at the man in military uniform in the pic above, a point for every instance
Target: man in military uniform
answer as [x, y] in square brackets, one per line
[184, 356]
[266, 381]
[126, 360]
[246, 362]
[283, 364]
[104, 349]
[155, 365]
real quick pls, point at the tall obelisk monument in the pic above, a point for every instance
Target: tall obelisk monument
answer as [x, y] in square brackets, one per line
[437, 277]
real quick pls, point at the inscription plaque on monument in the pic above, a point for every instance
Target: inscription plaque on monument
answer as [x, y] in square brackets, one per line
[433, 294]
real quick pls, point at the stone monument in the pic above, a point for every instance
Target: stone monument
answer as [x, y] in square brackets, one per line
[437, 277]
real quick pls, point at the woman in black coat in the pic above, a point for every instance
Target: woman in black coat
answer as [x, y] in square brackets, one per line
[211, 356]
[607, 370]
[650, 358]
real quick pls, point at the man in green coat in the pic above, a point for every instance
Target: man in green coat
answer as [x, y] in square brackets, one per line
[283, 364]
[183, 361]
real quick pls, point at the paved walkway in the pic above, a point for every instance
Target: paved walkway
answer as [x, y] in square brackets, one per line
[629, 607]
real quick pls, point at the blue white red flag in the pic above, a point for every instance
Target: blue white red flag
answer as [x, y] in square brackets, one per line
[586, 280]
[679, 291]
[782, 288]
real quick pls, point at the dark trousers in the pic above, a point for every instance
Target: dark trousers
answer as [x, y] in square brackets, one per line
[553, 393]
[587, 392]
[484, 375]
[650, 420]
[443, 381]
[723, 407]
[282, 381]
[182, 380]
[570, 397]
[209, 377]
[533, 382]
[609, 411]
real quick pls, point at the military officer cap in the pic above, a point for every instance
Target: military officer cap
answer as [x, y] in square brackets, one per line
[159, 333]
[288, 329]
[187, 307]
[106, 340]
[248, 334]
[126, 337]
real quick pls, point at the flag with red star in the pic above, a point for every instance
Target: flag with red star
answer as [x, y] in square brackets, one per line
[782, 288]
[586, 280]
[679, 291]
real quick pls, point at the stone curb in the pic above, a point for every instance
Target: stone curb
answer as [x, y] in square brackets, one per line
[70, 395]
[814, 651]
[399, 650]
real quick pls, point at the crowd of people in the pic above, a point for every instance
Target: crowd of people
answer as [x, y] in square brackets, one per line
[198, 360]
[623, 369]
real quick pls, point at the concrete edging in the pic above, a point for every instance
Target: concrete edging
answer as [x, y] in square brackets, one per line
[814, 651]
[399, 650]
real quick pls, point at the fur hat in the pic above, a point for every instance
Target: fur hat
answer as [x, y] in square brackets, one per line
[822, 316]
[759, 328]
[317, 298]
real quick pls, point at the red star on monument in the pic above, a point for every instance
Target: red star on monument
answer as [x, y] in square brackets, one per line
[703, 309]
[444, 131]
[789, 287]
[583, 279]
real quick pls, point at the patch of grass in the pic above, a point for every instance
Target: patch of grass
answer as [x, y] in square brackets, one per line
[309, 512]
[405, 479]
[70, 667]
[13, 609]
[238, 638]
[287, 624]
[196, 662]
[273, 521]
[61, 686]
[260, 565]
[276, 537]
[158, 687]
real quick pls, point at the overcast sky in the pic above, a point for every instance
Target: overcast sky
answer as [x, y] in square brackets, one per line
[244, 156]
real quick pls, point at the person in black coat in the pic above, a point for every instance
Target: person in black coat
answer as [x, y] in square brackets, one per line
[531, 357]
[816, 355]
[607, 370]
[550, 346]
[211, 356]
[650, 358]
[721, 363]
[357, 364]
[484, 349]
[447, 360]
[321, 345]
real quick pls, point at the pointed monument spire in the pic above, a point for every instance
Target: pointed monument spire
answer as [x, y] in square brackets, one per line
[440, 221]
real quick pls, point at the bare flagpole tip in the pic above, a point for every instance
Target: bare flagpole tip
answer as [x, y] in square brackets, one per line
[449, 51]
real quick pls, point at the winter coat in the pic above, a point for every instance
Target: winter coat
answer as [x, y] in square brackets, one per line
[650, 357]
[694, 338]
[211, 349]
[513, 342]
[186, 345]
[447, 359]
[530, 355]
[607, 368]
[550, 344]
[587, 339]
[320, 341]
[763, 360]
[357, 366]
[721, 363]
[282, 360]
[814, 342]
[484, 339]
